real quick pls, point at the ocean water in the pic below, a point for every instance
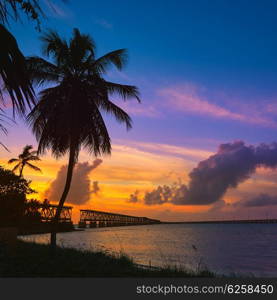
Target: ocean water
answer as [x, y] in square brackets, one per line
[244, 249]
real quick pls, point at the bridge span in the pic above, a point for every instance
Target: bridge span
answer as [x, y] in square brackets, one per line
[48, 211]
[97, 218]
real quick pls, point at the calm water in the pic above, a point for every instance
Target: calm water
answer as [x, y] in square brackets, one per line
[225, 248]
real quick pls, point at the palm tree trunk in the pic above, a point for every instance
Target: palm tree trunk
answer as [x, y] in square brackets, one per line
[71, 164]
[21, 171]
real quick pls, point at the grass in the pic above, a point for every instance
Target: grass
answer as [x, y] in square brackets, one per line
[37, 260]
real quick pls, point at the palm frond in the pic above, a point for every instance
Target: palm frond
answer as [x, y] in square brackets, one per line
[33, 167]
[12, 160]
[96, 139]
[81, 47]
[14, 74]
[57, 124]
[124, 91]
[1, 144]
[120, 115]
[10, 9]
[53, 44]
[33, 158]
[26, 150]
[16, 167]
[118, 58]
[3, 119]
[34, 152]
[2, 127]
[42, 71]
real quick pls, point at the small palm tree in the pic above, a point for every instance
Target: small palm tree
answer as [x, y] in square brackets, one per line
[68, 115]
[24, 160]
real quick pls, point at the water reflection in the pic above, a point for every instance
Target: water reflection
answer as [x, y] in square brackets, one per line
[225, 248]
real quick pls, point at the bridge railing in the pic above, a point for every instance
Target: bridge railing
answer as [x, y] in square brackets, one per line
[100, 218]
[48, 212]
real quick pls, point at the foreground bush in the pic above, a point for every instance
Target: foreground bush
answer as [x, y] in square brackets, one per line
[35, 260]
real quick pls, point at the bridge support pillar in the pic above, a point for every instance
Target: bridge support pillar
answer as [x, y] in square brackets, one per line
[109, 224]
[82, 224]
[101, 224]
[103, 219]
[92, 224]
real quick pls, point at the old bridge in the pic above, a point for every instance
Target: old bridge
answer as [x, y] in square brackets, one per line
[93, 218]
[48, 212]
[97, 218]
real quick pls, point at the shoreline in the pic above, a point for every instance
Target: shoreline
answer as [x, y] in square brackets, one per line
[30, 259]
[74, 227]
[257, 221]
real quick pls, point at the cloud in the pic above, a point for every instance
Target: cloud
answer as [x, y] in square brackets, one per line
[208, 182]
[186, 152]
[219, 206]
[58, 11]
[104, 23]
[134, 197]
[260, 200]
[189, 99]
[160, 195]
[80, 190]
[95, 187]
[141, 109]
[271, 108]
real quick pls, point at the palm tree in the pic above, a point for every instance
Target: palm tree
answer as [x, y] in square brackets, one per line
[13, 73]
[11, 9]
[68, 115]
[24, 160]
[14, 78]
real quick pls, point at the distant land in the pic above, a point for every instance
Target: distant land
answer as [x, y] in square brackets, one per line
[264, 221]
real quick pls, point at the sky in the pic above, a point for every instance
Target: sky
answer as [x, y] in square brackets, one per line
[207, 74]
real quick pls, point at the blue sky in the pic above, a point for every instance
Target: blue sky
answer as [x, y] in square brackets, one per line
[225, 49]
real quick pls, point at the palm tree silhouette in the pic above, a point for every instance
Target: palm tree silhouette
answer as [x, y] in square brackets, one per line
[13, 71]
[68, 115]
[24, 160]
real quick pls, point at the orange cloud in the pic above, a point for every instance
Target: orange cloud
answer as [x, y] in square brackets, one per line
[140, 166]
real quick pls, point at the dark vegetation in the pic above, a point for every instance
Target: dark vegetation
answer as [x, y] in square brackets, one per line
[18, 211]
[14, 207]
[35, 260]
